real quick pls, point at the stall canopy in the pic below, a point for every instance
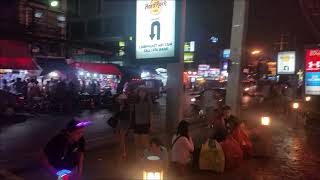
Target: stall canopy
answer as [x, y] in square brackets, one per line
[50, 64]
[16, 55]
[98, 68]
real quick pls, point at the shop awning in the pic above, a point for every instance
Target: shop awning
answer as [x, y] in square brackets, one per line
[98, 68]
[16, 55]
[17, 63]
[50, 64]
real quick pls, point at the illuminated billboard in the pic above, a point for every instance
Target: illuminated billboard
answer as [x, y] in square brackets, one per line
[286, 63]
[226, 53]
[155, 29]
[312, 77]
[189, 46]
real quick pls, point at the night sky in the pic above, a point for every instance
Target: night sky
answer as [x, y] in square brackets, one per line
[267, 21]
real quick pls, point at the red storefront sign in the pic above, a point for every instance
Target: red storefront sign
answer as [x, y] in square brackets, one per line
[313, 60]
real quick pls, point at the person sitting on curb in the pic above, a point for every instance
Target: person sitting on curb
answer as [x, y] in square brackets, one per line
[182, 149]
[156, 149]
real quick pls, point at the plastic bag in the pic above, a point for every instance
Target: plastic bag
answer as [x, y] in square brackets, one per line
[212, 157]
[232, 152]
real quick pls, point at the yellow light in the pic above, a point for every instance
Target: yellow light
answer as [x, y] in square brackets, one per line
[308, 98]
[152, 175]
[265, 121]
[255, 52]
[295, 105]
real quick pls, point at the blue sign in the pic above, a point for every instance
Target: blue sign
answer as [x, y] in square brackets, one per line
[226, 53]
[313, 83]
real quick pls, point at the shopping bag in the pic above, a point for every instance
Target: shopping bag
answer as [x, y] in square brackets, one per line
[212, 157]
[244, 141]
[232, 152]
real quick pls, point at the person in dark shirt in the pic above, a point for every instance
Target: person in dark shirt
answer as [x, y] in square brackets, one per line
[231, 122]
[66, 150]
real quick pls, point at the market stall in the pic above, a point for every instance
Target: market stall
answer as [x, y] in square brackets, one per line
[15, 62]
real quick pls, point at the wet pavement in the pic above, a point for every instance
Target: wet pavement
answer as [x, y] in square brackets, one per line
[296, 151]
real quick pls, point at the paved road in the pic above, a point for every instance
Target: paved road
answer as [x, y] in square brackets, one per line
[23, 140]
[296, 150]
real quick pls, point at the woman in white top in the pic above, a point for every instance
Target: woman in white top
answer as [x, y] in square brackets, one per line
[182, 148]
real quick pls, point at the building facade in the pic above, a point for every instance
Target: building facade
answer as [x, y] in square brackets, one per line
[37, 23]
[101, 30]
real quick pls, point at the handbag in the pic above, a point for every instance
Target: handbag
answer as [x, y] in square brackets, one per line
[113, 122]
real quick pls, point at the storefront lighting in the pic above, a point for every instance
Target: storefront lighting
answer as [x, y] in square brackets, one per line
[81, 73]
[189, 72]
[53, 74]
[88, 74]
[194, 73]
[95, 75]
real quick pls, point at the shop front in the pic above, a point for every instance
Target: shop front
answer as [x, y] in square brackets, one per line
[15, 62]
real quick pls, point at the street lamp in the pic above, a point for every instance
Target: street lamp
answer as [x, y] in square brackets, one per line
[255, 52]
[265, 121]
[295, 105]
[54, 3]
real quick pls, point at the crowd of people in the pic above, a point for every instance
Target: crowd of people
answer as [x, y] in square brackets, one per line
[58, 93]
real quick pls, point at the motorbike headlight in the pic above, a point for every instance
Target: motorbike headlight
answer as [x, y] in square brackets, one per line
[246, 89]
[193, 99]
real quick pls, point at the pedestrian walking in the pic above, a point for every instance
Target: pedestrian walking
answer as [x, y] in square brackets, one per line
[182, 149]
[142, 120]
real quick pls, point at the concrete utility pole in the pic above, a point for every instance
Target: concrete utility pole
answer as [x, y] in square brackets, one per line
[238, 34]
[175, 95]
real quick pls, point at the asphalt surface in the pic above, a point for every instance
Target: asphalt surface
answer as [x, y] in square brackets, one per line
[295, 150]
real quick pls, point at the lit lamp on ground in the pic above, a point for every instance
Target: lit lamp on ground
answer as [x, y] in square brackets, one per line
[307, 99]
[295, 105]
[153, 169]
[265, 121]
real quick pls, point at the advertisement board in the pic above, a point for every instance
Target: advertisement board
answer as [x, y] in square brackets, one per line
[226, 53]
[312, 83]
[312, 78]
[313, 60]
[189, 46]
[188, 57]
[286, 63]
[155, 29]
